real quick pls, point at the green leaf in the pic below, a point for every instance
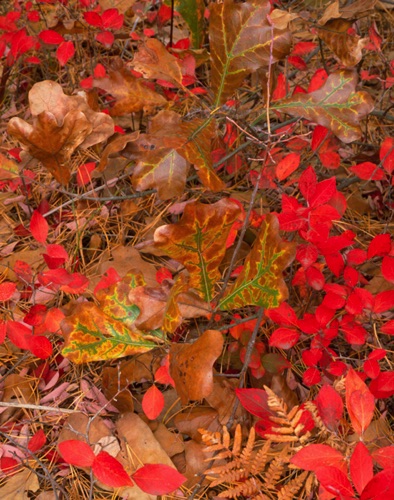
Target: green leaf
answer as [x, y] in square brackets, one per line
[198, 241]
[336, 105]
[96, 333]
[241, 41]
[260, 282]
[192, 12]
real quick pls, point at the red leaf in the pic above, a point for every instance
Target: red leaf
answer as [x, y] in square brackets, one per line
[106, 38]
[283, 315]
[65, 52]
[158, 479]
[315, 278]
[330, 406]
[153, 402]
[287, 166]
[383, 386]
[51, 37]
[311, 376]
[284, 338]
[76, 453]
[255, 401]
[387, 155]
[109, 471]
[384, 301]
[297, 62]
[39, 227]
[93, 18]
[317, 80]
[380, 486]
[40, 346]
[307, 183]
[319, 135]
[368, 171]
[388, 268]
[335, 481]
[324, 191]
[360, 402]
[37, 441]
[361, 467]
[388, 328]
[384, 457]
[318, 455]
[302, 48]
[7, 290]
[371, 368]
[55, 256]
[3, 331]
[19, 334]
[84, 171]
[112, 19]
[380, 245]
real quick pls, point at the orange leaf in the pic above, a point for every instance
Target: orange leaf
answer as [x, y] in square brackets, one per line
[360, 402]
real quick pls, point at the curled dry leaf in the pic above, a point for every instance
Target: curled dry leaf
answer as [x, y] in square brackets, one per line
[336, 105]
[61, 123]
[154, 61]
[242, 40]
[191, 365]
[131, 93]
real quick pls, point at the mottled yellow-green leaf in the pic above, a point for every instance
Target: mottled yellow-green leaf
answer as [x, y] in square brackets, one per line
[261, 282]
[336, 105]
[198, 241]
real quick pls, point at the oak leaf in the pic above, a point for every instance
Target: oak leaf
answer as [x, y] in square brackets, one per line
[336, 105]
[191, 365]
[61, 123]
[261, 281]
[131, 93]
[242, 40]
[198, 241]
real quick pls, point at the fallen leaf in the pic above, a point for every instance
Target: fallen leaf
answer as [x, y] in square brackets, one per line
[191, 365]
[18, 486]
[336, 105]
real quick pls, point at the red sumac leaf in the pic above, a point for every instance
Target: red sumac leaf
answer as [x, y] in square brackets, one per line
[387, 154]
[311, 376]
[287, 166]
[284, 338]
[335, 481]
[158, 479]
[380, 486]
[361, 467]
[368, 171]
[383, 386]
[39, 227]
[380, 245]
[318, 455]
[153, 402]
[384, 457]
[112, 19]
[360, 402]
[109, 471]
[255, 401]
[51, 37]
[19, 334]
[388, 328]
[76, 453]
[65, 52]
[330, 406]
[7, 290]
[40, 346]
[388, 268]
[93, 18]
[106, 38]
[37, 441]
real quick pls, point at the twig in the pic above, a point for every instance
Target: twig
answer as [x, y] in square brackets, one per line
[35, 407]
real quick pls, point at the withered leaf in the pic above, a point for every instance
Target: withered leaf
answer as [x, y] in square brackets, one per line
[191, 365]
[355, 10]
[198, 241]
[61, 123]
[131, 93]
[242, 41]
[261, 282]
[154, 61]
[336, 105]
[162, 169]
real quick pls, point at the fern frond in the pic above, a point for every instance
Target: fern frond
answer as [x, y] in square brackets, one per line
[247, 488]
[291, 488]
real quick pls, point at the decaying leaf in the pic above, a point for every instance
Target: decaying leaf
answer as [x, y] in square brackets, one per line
[60, 124]
[131, 93]
[198, 241]
[95, 333]
[191, 365]
[154, 61]
[242, 40]
[18, 486]
[17, 389]
[357, 9]
[348, 48]
[163, 169]
[336, 105]
[261, 281]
